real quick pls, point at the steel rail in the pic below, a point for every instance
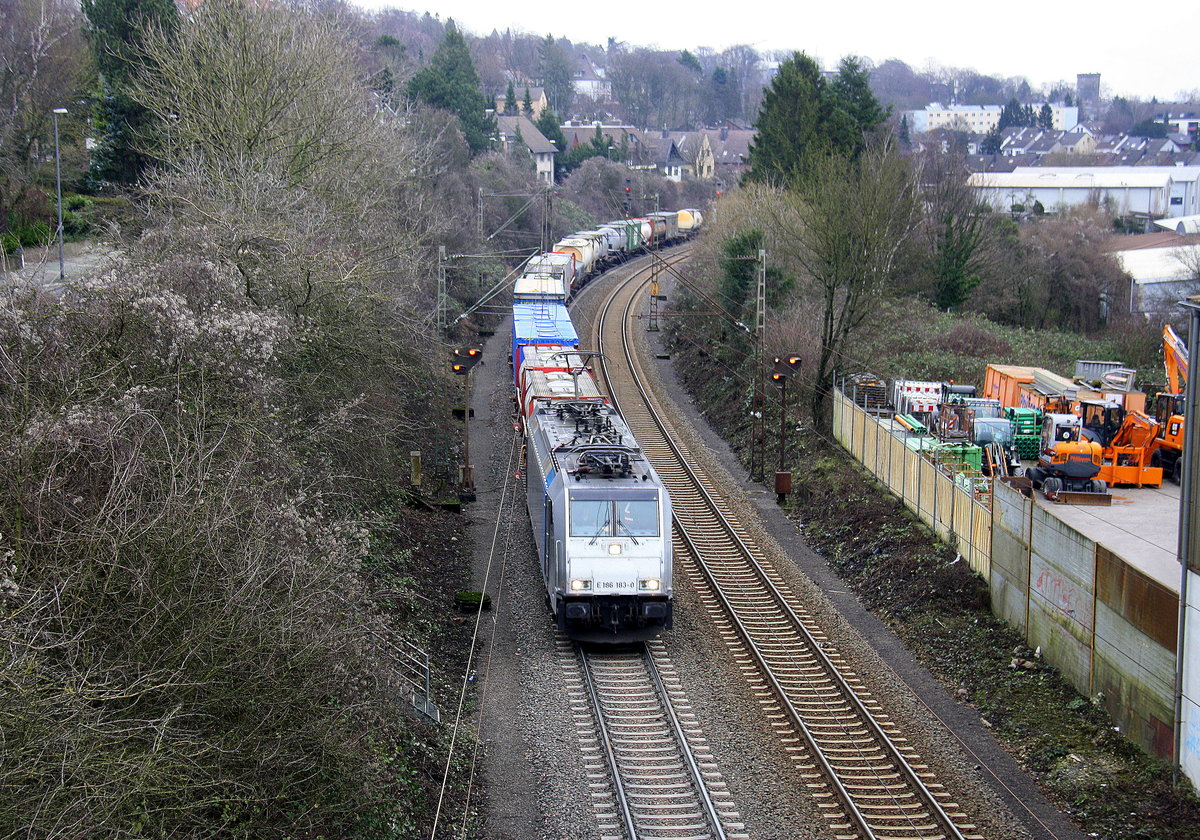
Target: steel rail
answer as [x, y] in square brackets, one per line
[710, 808]
[645, 819]
[605, 739]
[779, 602]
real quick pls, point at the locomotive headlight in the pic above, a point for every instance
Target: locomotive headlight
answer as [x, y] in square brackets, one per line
[651, 584]
[579, 585]
[614, 549]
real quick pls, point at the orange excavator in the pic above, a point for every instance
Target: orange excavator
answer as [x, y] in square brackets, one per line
[1129, 456]
[1069, 465]
[1168, 407]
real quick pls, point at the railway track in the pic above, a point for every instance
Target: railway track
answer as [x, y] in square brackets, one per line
[652, 775]
[869, 783]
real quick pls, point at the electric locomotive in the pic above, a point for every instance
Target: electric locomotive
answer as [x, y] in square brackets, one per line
[601, 521]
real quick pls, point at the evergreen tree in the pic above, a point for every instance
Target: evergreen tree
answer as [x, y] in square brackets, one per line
[547, 123]
[1010, 114]
[903, 132]
[852, 91]
[800, 121]
[116, 29]
[690, 62]
[510, 100]
[1046, 117]
[450, 83]
[600, 143]
[991, 141]
[527, 104]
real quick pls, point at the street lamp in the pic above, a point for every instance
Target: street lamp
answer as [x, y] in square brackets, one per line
[62, 273]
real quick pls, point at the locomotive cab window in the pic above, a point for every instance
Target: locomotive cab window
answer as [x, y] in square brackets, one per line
[614, 517]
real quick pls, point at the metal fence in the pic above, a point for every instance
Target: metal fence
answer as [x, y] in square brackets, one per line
[959, 513]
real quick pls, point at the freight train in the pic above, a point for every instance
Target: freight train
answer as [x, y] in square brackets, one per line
[601, 517]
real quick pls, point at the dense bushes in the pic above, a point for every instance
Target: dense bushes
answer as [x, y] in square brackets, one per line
[192, 443]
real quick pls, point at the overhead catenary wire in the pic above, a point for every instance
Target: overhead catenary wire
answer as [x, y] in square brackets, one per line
[466, 679]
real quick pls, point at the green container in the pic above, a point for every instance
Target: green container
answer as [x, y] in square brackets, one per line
[963, 457]
[1026, 421]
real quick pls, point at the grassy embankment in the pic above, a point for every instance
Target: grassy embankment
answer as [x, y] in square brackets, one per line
[939, 607]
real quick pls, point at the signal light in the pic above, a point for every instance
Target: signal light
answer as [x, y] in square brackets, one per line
[465, 359]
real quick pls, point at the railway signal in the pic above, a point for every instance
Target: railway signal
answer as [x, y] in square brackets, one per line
[466, 358]
[785, 368]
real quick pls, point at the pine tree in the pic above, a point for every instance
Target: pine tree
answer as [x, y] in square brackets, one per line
[527, 104]
[547, 123]
[991, 141]
[510, 100]
[450, 83]
[852, 90]
[800, 121]
[116, 29]
[1011, 115]
[1046, 117]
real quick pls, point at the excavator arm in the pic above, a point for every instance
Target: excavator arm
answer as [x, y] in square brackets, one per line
[1175, 358]
[1137, 430]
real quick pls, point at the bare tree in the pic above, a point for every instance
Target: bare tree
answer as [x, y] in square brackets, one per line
[41, 58]
[849, 226]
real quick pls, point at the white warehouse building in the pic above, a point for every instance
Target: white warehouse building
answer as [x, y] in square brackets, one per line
[979, 119]
[1148, 191]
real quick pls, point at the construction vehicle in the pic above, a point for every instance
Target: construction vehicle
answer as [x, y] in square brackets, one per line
[994, 435]
[1068, 464]
[1100, 420]
[1129, 455]
[1168, 407]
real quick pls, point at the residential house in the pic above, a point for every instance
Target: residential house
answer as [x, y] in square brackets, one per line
[1182, 119]
[709, 154]
[625, 137]
[591, 81]
[537, 99]
[1037, 142]
[515, 133]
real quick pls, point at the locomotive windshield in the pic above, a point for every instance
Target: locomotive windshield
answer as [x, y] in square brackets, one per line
[614, 517]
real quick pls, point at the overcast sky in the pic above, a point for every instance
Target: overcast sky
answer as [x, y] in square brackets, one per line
[1140, 50]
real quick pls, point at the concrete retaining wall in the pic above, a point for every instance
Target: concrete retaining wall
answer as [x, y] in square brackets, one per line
[1109, 628]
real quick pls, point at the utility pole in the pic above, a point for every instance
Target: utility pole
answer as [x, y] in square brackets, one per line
[442, 302]
[652, 321]
[758, 455]
[480, 222]
[547, 215]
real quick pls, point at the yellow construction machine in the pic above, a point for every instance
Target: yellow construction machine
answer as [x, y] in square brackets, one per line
[1069, 464]
[1168, 407]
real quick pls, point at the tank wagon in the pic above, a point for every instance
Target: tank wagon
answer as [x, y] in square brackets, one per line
[600, 515]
